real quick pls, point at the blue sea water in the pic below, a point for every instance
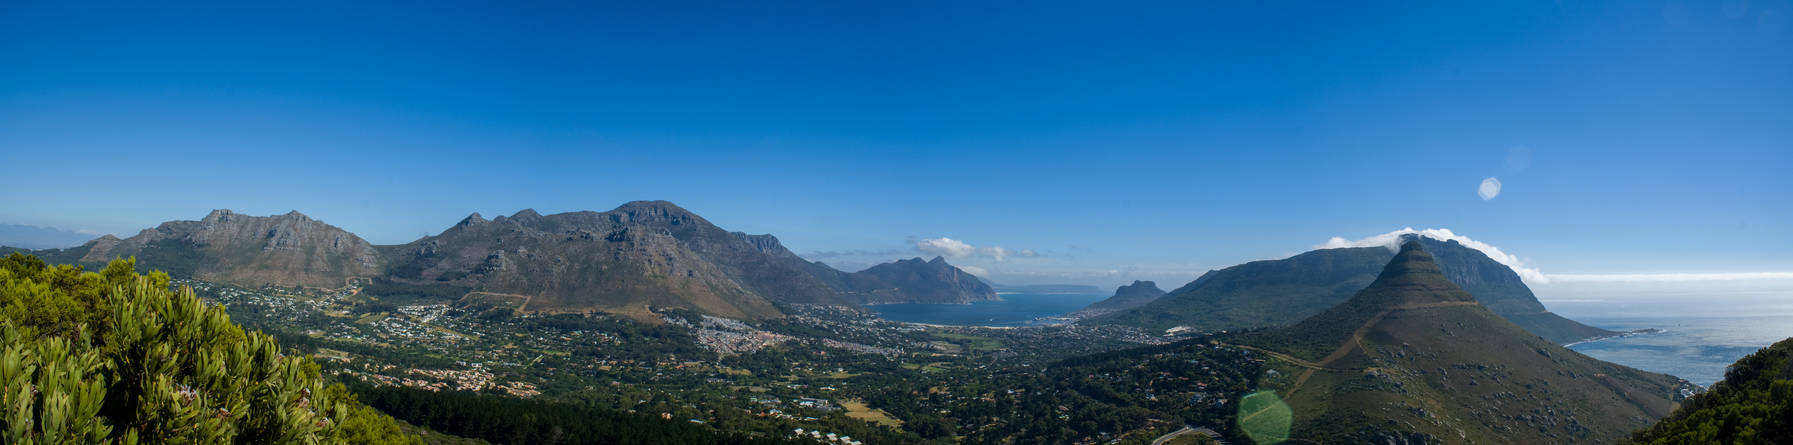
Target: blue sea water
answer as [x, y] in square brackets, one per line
[1694, 348]
[1015, 309]
[1706, 324]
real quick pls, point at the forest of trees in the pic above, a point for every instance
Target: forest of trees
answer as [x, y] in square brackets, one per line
[506, 420]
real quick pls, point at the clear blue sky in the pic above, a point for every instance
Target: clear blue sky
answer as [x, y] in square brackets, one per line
[1152, 140]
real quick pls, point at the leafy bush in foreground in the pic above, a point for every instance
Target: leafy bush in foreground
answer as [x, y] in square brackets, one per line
[115, 357]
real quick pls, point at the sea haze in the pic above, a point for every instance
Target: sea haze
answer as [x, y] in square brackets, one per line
[1015, 309]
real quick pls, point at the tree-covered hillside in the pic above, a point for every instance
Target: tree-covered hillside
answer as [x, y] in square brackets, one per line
[1752, 405]
[115, 357]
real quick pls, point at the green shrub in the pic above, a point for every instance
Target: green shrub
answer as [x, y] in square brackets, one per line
[119, 358]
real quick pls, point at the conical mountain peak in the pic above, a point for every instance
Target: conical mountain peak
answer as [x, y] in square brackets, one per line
[1412, 277]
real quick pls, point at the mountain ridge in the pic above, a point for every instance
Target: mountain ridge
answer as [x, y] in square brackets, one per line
[639, 256]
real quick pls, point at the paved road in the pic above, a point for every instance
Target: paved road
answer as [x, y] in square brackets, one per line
[1189, 430]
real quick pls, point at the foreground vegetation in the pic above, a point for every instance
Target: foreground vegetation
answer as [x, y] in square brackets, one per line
[1752, 405]
[114, 357]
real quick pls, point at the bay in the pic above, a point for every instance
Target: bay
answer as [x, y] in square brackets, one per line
[1015, 309]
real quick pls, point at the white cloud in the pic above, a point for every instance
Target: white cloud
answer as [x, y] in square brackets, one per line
[1392, 240]
[1489, 189]
[946, 247]
[952, 248]
[974, 270]
[1669, 277]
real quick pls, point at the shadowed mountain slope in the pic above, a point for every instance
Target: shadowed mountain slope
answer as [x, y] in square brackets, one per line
[1413, 358]
[1279, 292]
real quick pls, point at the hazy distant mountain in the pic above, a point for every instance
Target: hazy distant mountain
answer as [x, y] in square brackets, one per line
[33, 237]
[289, 249]
[1126, 297]
[1279, 292]
[917, 281]
[1413, 358]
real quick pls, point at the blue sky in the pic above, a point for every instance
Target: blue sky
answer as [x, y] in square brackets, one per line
[1124, 141]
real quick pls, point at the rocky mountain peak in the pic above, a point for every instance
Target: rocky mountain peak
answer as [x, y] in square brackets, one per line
[1415, 278]
[219, 215]
[764, 242]
[475, 218]
[653, 212]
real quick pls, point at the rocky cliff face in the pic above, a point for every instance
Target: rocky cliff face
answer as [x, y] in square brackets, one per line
[289, 249]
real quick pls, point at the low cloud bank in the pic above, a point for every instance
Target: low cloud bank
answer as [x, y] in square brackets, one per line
[1392, 240]
[1669, 277]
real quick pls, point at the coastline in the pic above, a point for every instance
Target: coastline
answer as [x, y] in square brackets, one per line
[1630, 333]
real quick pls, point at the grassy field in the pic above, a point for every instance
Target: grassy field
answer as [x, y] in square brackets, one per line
[971, 342]
[859, 410]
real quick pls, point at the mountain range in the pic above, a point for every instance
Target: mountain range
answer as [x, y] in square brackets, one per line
[1273, 293]
[1414, 358]
[641, 255]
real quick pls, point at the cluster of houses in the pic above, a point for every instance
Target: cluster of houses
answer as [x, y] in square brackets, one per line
[824, 437]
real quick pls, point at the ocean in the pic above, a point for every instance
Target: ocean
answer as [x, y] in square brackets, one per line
[1015, 309]
[1697, 348]
[1699, 338]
